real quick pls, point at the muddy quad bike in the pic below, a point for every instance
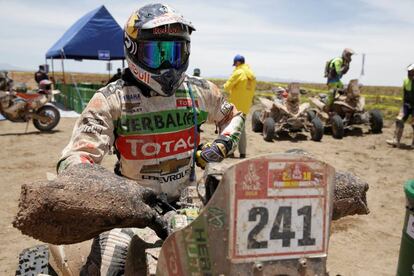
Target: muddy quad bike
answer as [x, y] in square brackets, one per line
[22, 107]
[268, 215]
[348, 109]
[286, 115]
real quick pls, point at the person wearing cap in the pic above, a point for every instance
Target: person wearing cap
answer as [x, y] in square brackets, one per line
[116, 76]
[336, 68]
[196, 72]
[406, 110]
[41, 74]
[241, 86]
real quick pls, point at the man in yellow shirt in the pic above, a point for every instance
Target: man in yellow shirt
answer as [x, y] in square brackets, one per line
[241, 86]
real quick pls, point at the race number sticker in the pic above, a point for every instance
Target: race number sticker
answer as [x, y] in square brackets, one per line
[280, 210]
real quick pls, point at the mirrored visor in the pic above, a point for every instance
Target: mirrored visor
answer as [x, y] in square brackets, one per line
[163, 54]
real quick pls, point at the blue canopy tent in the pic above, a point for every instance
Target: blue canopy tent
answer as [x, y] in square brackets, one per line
[95, 36]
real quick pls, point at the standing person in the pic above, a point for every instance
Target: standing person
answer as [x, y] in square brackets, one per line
[41, 74]
[334, 70]
[241, 86]
[116, 76]
[150, 117]
[406, 110]
[197, 72]
[6, 83]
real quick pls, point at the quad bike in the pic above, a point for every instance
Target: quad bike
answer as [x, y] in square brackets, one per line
[268, 215]
[348, 109]
[286, 114]
[23, 107]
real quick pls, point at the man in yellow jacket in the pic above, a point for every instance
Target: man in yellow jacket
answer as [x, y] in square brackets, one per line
[241, 86]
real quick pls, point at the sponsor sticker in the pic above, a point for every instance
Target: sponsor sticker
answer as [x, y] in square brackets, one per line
[141, 147]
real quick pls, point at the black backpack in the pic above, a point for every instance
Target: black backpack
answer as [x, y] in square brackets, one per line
[327, 68]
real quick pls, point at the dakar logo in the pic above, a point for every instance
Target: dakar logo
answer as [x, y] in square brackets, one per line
[251, 181]
[166, 30]
[141, 75]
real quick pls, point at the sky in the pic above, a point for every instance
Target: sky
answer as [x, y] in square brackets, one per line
[283, 39]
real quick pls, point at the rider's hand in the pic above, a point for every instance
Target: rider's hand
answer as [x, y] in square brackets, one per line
[210, 152]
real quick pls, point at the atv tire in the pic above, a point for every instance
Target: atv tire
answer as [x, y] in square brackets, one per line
[257, 125]
[338, 130]
[311, 115]
[317, 129]
[34, 261]
[268, 129]
[375, 121]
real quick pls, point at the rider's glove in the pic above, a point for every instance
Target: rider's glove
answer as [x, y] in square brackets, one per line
[210, 152]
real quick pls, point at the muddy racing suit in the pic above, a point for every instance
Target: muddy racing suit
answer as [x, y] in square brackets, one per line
[154, 140]
[153, 135]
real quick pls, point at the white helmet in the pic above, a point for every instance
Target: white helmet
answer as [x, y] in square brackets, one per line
[410, 67]
[157, 47]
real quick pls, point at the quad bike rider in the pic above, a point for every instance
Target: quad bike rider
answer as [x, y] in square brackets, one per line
[23, 107]
[406, 110]
[286, 114]
[150, 116]
[334, 71]
[347, 109]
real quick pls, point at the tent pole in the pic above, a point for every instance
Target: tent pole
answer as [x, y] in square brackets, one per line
[123, 63]
[63, 71]
[53, 70]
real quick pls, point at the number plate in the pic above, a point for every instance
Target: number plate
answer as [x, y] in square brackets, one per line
[280, 210]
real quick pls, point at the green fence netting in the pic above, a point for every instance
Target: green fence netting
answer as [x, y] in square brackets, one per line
[75, 97]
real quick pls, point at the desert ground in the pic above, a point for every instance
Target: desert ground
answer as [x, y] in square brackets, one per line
[359, 245]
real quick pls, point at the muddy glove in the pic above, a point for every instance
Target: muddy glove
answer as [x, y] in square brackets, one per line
[82, 202]
[210, 152]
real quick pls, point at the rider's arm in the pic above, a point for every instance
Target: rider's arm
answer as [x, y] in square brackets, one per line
[229, 120]
[93, 133]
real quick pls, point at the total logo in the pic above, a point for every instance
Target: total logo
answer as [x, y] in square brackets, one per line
[140, 74]
[141, 147]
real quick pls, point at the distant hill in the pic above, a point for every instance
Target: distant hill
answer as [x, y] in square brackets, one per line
[9, 67]
[264, 78]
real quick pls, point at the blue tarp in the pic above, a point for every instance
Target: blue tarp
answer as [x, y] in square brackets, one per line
[92, 37]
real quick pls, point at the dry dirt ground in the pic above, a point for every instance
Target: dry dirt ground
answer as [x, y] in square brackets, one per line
[359, 245]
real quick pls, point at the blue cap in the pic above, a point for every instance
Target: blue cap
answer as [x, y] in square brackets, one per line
[238, 58]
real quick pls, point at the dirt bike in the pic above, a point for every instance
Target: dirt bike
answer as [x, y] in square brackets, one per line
[268, 215]
[286, 115]
[348, 109]
[23, 107]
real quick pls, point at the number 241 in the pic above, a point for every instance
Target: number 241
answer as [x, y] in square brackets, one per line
[278, 231]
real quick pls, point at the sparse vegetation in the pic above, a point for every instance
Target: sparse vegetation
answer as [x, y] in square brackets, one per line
[385, 98]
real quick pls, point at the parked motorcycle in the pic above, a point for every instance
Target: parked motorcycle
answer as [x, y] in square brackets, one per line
[348, 109]
[23, 107]
[286, 114]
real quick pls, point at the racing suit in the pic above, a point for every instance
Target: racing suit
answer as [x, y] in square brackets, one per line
[337, 68]
[406, 110]
[154, 140]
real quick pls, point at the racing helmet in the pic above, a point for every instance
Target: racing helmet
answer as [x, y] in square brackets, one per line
[157, 47]
[410, 70]
[347, 53]
[45, 86]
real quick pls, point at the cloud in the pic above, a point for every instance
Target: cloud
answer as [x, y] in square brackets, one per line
[279, 38]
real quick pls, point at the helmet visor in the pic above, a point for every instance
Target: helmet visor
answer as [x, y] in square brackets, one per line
[163, 54]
